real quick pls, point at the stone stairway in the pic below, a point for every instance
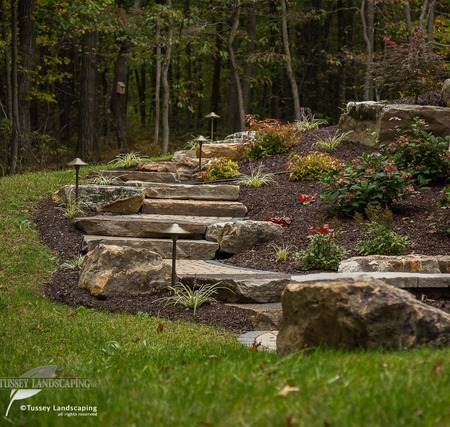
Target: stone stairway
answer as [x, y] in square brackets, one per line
[167, 201]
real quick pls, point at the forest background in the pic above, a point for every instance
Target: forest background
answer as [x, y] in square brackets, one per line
[91, 78]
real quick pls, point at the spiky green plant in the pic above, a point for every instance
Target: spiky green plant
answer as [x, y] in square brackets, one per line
[100, 179]
[128, 160]
[282, 252]
[191, 297]
[257, 178]
[72, 207]
[309, 122]
[75, 264]
[331, 143]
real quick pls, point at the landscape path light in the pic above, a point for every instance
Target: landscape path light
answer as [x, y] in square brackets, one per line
[200, 140]
[212, 115]
[175, 230]
[77, 163]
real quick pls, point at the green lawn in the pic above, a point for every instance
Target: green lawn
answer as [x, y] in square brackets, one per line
[186, 375]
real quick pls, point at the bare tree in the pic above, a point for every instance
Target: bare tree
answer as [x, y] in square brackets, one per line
[287, 54]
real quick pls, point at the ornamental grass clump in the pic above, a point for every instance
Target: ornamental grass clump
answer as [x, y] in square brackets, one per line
[378, 236]
[370, 179]
[271, 137]
[191, 297]
[421, 153]
[311, 167]
[323, 252]
[128, 160]
[257, 178]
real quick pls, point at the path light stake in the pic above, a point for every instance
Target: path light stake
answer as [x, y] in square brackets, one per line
[212, 115]
[175, 230]
[77, 163]
[200, 140]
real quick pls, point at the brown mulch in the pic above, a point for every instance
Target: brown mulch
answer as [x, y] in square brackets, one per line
[417, 218]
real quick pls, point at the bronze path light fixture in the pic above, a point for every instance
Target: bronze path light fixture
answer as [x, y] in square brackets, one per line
[77, 163]
[175, 230]
[200, 140]
[212, 115]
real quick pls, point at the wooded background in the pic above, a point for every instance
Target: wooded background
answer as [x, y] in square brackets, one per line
[83, 77]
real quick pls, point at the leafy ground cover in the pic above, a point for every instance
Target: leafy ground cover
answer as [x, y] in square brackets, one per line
[151, 371]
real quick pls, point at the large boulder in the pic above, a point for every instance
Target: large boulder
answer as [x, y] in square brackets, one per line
[360, 313]
[105, 198]
[237, 236]
[369, 122]
[423, 264]
[229, 150]
[113, 270]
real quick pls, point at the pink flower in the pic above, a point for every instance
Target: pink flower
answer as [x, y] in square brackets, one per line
[395, 118]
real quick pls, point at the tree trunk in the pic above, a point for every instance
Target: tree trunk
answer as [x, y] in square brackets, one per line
[234, 67]
[27, 53]
[87, 130]
[157, 86]
[118, 100]
[287, 53]
[408, 20]
[166, 87]
[368, 30]
[215, 87]
[8, 110]
[141, 86]
[251, 45]
[14, 146]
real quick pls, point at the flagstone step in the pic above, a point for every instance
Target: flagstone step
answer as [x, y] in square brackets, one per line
[146, 225]
[132, 175]
[186, 249]
[188, 191]
[263, 316]
[193, 207]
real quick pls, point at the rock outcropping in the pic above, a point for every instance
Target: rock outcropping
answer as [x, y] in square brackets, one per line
[361, 313]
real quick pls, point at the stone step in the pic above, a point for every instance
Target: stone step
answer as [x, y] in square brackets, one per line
[186, 249]
[188, 191]
[145, 225]
[127, 175]
[263, 316]
[193, 207]
[237, 285]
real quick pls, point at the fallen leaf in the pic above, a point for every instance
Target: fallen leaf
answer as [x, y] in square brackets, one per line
[437, 368]
[288, 389]
[160, 328]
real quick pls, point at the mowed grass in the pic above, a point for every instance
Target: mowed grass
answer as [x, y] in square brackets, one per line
[185, 374]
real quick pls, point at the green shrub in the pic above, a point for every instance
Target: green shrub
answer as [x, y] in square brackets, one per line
[444, 203]
[128, 160]
[323, 252]
[424, 155]
[311, 167]
[271, 137]
[222, 168]
[378, 238]
[370, 179]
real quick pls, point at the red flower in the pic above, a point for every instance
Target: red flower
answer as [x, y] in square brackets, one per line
[279, 220]
[306, 199]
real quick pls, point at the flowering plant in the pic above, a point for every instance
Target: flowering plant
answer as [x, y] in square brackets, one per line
[306, 199]
[323, 252]
[368, 180]
[420, 152]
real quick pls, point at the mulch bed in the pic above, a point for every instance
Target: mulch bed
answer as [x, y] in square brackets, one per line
[418, 218]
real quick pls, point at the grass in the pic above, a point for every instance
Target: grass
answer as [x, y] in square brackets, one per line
[155, 372]
[257, 178]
